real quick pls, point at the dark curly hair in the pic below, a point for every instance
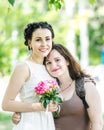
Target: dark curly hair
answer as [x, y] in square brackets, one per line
[34, 26]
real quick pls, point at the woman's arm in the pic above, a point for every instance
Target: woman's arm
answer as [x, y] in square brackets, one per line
[17, 80]
[95, 109]
[16, 117]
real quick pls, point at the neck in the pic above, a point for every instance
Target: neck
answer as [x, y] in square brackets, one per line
[66, 86]
[36, 59]
[65, 79]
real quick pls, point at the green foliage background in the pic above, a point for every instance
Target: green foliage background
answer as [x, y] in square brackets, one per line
[5, 121]
[15, 18]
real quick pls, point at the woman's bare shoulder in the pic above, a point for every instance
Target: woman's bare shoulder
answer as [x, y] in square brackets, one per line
[21, 67]
[21, 70]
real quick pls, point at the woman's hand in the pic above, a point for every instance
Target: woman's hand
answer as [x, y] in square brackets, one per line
[16, 117]
[52, 106]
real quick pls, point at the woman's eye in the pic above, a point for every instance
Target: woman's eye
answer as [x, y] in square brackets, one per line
[47, 63]
[37, 39]
[57, 60]
[47, 39]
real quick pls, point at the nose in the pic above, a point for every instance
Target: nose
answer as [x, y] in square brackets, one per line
[44, 42]
[53, 65]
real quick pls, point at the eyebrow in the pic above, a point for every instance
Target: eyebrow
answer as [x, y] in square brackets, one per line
[41, 37]
[47, 60]
[54, 58]
[37, 37]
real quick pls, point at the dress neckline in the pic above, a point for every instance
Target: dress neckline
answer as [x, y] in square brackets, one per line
[35, 63]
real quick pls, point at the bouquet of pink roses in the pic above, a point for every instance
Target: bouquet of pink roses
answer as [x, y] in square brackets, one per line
[48, 90]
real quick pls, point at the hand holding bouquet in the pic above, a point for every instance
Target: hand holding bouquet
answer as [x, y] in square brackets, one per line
[48, 90]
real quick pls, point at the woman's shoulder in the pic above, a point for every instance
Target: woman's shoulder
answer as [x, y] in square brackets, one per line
[89, 81]
[91, 92]
[90, 84]
[21, 68]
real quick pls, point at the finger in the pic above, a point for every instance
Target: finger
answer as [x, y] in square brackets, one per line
[53, 104]
[18, 113]
[15, 121]
[54, 108]
[16, 117]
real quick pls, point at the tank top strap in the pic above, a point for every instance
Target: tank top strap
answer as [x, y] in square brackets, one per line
[89, 79]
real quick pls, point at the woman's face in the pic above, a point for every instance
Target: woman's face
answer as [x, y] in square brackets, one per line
[56, 64]
[41, 42]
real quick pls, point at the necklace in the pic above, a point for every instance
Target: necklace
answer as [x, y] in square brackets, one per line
[67, 87]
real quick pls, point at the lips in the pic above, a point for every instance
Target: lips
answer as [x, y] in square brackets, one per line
[43, 49]
[54, 70]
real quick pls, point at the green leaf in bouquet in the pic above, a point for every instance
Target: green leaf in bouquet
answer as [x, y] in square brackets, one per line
[57, 99]
[46, 102]
[56, 114]
[41, 99]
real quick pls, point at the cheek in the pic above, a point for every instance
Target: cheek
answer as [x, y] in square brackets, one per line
[63, 63]
[50, 47]
[48, 69]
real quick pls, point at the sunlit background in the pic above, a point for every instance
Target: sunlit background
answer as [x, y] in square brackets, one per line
[79, 25]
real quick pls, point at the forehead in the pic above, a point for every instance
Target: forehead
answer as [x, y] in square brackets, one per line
[42, 32]
[54, 54]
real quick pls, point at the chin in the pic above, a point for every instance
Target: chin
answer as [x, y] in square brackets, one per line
[45, 54]
[55, 75]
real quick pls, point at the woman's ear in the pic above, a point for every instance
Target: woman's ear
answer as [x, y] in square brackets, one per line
[29, 44]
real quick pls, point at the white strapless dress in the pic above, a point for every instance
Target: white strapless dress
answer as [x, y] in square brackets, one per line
[34, 120]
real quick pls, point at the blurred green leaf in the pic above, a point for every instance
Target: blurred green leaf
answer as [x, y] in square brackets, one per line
[11, 2]
[56, 3]
[92, 1]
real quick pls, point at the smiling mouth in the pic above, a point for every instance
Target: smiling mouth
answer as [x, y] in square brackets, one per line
[55, 70]
[43, 50]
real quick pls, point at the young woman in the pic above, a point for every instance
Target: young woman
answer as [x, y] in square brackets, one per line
[38, 38]
[81, 107]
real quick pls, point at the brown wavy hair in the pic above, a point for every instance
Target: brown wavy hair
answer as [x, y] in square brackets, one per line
[74, 67]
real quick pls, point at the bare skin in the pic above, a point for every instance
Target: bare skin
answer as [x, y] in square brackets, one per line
[41, 44]
[57, 67]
